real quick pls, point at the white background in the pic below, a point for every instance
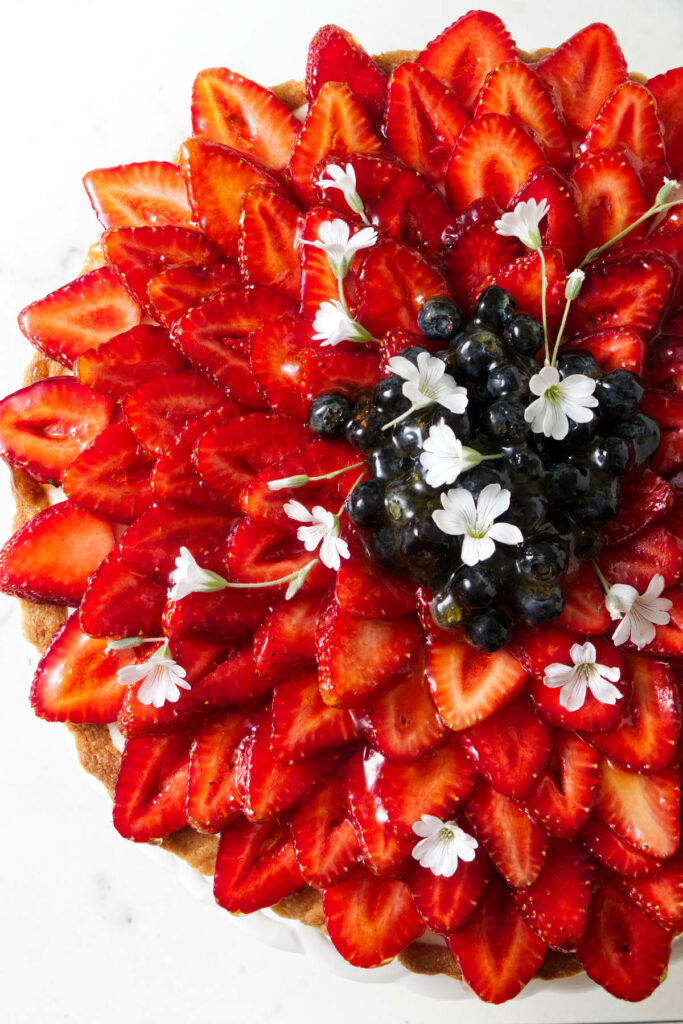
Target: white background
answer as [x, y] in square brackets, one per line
[94, 929]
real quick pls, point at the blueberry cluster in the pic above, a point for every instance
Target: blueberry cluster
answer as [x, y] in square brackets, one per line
[561, 491]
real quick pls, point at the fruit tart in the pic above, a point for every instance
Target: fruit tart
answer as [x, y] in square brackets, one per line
[350, 500]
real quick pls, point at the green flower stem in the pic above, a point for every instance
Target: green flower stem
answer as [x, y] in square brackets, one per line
[336, 472]
[652, 212]
[606, 585]
[342, 507]
[405, 415]
[558, 339]
[271, 583]
[544, 290]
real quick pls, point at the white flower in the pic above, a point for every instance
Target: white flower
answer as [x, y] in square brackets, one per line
[559, 401]
[344, 179]
[585, 674]
[333, 325]
[324, 531]
[444, 456]
[639, 613]
[334, 240]
[523, 222]
[573, 285]
[428, 382]
[476, 523]
[162, 678]
[189, 578]
[442, 845]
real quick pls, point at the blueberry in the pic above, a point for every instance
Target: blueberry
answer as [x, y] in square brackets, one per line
[610, 455]
[586, 541]
[445, 610]
[475, 480]
[365, 504]
[488, 630]
[523, 334]
[329, 414]
[383, 547]
[388, 396]
[388, 462]
[542, 558]
[508, 380]
[403, 500]
[599, 503]
[578, 362]
[477, 353]
[411, 353]
[460, 423]
[642, 432]
[364, 431]
[425, 549]
[410, 433]
[564, 482]
[504, 422]
[475, 586]
[525, 462]
[537, 603]
[620, 393]
[527, 510]
[439, 319]
[494, 307]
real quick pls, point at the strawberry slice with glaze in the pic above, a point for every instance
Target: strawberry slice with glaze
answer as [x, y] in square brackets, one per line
[556, 904]
[655, 551]
[584, 610]
[152, 543]
[133, 195]
[522, 279]
[112, 477]
[474, 256]
[610, 196]
[149, 795]
[52, 555]
[302, 725]
[174, 478]
[617, 348]
[335, 56]
[121, 603]
[614, 852]
[435, 784]
[128, 360]
[631, 292]
[364, 589]
[212, 797]
[236, 112]
[661, 895]
[76, 678]
[324, 839]
[642, 809]
[464, 54]
[256, 866]
[80, 315]
[394, 284]
[45, 426]
[645, 499]
[268, 246]
[467, 685]
[513, 840]
[227, 615]
[383, 850]
[446, 904]
[156, 410]
[497, 951]
[667, 90]
[286, 640]
[173, 292]
[369, 919]
[276, 356]
[567, 788]
[260, 553]
[561, 226]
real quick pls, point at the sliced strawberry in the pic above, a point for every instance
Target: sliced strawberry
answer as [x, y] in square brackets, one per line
[335, 56]
[622, 949]
[112, 476]
[394, 284]
[228, 367]
[522, 278]
[446, 904]
[357, 656]
[556, 905]
[159, 408]
[174, 478]
[318, 283]
[609, 194]
[584, 610]
[512, 839]
[581, 73]
[497, 951]
[510, 747]
[628, 121]
[370, 919]
[286, 640]
[435, 784]
[258, 553]
[655, 551]
[275, 353]
[332, 370]
[44, 427]
[538, 648]
[477, 253]
[513, 89]
[668, 641]
[401, 722]
[669, 455]
[76, 678]
[630, 292]
[324, 839]
[302, 724]
[227, 615]
[645, 499]
[660, 895]
[132, 195]
[51, 556]
[614, 852]
[238, 113]
[149, 797]
[139, 254]
[383, 850]
[175, 291]
[617, 348]
[212, 798]
[80, 315]
[227, 455]
[423, 120]
[667, 90]
[567, 789]
[336, 122]
[463, 55]
[129, 359]
[468, 685]
[366, 590]
[268, 245]
[669, 245]
[664, 406]
[642, 809]
[151, 545]
[217, 180]
[561, 226]
[394, 342]
[256, 866]
[120, 603]
[492, 157]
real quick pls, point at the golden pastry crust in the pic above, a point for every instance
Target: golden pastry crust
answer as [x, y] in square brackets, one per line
[95, 749]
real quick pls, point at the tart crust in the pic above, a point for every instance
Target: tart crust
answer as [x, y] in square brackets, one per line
[94, 747]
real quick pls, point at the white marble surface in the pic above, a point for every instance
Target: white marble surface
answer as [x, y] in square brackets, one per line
[95, 929]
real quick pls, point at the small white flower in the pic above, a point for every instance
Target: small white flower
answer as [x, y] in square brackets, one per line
[444, 456]
[666, 191]
[559, 401]
[323, 531]
[162, 678]
[345, 180]
[288, 481]
[573, 285]
[333, 325]
[188, 577]
[443, 844]
[585, 674]
[335, 239]
[523, 222]
[428, 383]
[476, 523]
[639, 613]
